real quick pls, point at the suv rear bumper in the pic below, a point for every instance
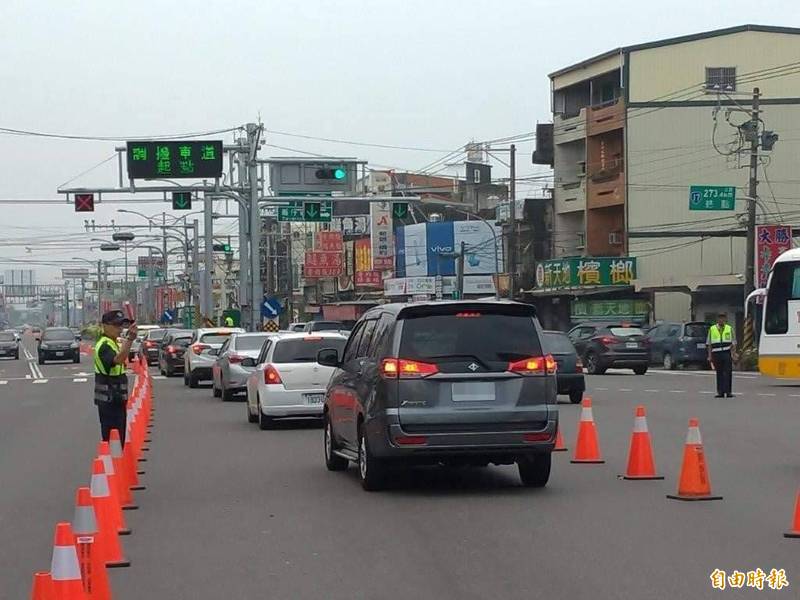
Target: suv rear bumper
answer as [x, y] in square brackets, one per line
[384, 431]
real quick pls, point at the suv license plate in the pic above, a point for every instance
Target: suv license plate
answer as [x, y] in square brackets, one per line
[59, 354]
[314, 398]
[632, 345]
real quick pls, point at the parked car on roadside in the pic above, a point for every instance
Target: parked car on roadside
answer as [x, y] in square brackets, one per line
[197, 361]
[58, 343]
[228, 374]
[605, 345]
[287, 380]
[569, 372]
[9, 344]
[453, 383]
[675, 345]
[171, 351]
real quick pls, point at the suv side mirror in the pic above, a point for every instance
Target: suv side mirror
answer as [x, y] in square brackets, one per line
[249, 362]
[328, 357]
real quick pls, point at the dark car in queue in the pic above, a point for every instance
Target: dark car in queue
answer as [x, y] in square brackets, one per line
[9, 345]
[675, 345]
[569, 371]
[452, 383]
[602, 346]
[58, 343]
[150, 345]
[171, 351]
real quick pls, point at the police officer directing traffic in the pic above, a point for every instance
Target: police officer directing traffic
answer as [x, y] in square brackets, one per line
[110, 380]
[721, 352]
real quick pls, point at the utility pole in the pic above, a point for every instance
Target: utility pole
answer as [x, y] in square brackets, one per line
[164, 247]
[151, 293]
[460, 271]
[207, 307]
[512, 229]
[257, 290]
[196, 269]
[244, 256]
[99, 291]
[66, 303]
[750, 255]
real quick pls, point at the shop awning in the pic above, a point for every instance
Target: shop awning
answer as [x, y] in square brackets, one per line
[579, 291]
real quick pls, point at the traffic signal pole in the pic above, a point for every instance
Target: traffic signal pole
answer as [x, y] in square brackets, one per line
[256, 290]
[207, 307]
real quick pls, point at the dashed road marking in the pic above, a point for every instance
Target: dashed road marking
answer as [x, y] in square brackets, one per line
[677, 391]
[3, 382]
[79, 380]
[770, 395]
[794, 395]
[40, 381]
[706, 392]
[625, 390]
[162, 377]
[652, 391]
[598, 389]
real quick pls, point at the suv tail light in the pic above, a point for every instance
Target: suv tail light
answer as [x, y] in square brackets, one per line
[535, 365]
[149, 343]
[579, 366]
[401, 368]
[236, 358]
[271, 375]
[608, 340]
[198, 348]
[171, 349]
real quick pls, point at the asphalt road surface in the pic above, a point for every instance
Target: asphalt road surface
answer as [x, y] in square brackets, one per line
[234, 512]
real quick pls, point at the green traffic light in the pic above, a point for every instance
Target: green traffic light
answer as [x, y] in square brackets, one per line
[339, 174]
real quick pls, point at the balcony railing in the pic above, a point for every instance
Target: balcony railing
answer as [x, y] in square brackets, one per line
[606, 117]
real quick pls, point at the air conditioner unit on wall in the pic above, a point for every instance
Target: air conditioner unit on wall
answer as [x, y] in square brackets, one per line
[615, 238]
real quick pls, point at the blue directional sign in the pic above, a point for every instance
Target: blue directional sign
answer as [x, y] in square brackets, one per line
[167, 316]
[271, 308]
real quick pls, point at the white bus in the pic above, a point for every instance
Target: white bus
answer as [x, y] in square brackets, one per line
[779, 341]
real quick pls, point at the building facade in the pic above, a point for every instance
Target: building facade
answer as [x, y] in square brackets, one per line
[634, 129]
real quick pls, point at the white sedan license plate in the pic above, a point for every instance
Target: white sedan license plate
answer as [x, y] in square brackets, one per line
[314, 398]
[701, 346]
[632, 345]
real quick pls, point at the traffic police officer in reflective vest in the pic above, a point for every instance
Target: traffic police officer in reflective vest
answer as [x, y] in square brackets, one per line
[721, 352]
[229, 321]
[110, 380]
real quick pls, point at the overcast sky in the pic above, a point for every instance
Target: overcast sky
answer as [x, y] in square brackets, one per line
[424, 73]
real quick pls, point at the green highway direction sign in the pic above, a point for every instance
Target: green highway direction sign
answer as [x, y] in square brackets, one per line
[317, 212]
[712, 197]
[156, 274]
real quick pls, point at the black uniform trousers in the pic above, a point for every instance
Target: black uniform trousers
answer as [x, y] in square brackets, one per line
[113, 415]
[723, 365]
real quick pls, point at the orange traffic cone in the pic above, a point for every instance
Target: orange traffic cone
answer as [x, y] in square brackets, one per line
[104, 454]
[64, 569]
[559, 447]
[795, 532]
[104, 513]
[42, 586]
[90, 551]
[125, 496]
[640, 456]
[694, 483]
[587, 448]
[131, 464]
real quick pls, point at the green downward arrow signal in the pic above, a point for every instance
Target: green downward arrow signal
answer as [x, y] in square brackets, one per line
[312, 210]
[399, 210]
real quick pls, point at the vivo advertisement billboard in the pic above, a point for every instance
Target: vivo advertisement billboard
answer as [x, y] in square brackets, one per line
[429, 249]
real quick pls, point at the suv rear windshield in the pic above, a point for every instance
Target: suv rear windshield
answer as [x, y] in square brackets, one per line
[493, 336]
[58, 334]
[7, 337]
[696, 330]
[182, 341]
[214, 338]
[304, 349]
[328, 326]
[625, 331]
[156, 334]
[250, 342]
[558, 343]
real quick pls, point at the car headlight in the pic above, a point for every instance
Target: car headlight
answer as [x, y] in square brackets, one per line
[43, 346]
[74, 346]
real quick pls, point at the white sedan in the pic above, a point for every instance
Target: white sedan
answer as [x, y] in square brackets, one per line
[288, 381]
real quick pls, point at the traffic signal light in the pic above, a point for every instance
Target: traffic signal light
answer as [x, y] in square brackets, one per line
[181, 200]
[222, 248]
[337, 173]
[84, 202]
[399, 210]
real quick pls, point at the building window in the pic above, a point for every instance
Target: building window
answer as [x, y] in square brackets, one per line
[721, 79]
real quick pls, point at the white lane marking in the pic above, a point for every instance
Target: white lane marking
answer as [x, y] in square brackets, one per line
[28, 376]
[79, 380]
[3, 382]
[162, 377]
[625, 390]
[794, 395]
[706, 392]
[652, 391]
[40, 381]
[598, 389]
[82, 374]
[677, 391]
[770, 395]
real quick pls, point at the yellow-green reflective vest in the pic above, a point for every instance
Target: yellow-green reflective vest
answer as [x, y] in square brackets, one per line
[721, 340]
[109, 385]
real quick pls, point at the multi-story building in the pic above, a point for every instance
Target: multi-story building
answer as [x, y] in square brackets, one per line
[636, 127]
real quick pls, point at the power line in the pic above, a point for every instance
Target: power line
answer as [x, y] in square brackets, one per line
[100, 138]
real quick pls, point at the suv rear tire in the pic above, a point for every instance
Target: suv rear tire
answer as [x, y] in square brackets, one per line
[371, 470]
[592, 363]
[640, 370]
[265, 423]
[192, 380]
[333, 462]
[215, 391]
[534, 469]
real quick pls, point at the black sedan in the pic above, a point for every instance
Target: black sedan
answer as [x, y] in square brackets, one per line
[569, 373]
[9, 346]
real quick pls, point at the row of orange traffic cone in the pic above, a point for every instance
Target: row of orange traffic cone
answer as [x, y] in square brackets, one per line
[83, 550]
[694, 482]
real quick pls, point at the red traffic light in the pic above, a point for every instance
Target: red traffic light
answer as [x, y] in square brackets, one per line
[84, 202]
